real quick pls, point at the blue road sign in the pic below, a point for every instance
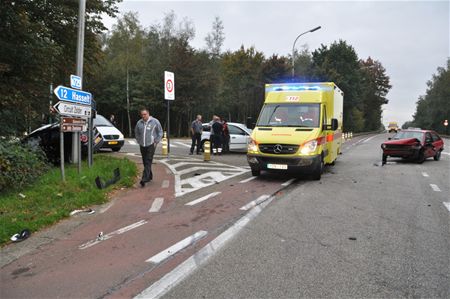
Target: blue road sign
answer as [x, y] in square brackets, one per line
[72, 95]
[75, 82]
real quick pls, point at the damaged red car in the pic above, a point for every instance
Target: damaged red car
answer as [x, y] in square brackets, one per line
[413, 145]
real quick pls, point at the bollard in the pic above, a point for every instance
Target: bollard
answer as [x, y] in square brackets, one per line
[351, 135]
[343, 137]
[164, 144]
[207, 150]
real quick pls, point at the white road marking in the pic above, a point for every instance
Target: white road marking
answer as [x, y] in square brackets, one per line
[156, 205]
[435, 187]
[447, 205]
[183, 144]
[106, 208]
[425, 174]
[370, 138]
[287, 183]
[190, 184]
[445, 153]
[134, 154]
[165, 184]
[198, 200]
[255, 202]
[112, 234]
[132, 142]
[171, 279]
[177, 247]
[248, 179]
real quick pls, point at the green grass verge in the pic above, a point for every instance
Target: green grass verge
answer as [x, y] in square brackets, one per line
[49, 200]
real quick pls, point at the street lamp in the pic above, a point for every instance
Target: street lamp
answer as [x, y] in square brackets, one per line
[293, 47]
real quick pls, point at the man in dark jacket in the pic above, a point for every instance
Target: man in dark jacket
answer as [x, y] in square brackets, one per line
[148, 132]
[196, 132]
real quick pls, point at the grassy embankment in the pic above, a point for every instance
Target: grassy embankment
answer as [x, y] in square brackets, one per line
[49, 200]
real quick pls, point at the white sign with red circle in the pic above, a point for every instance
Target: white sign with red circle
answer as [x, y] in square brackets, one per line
[169, 86]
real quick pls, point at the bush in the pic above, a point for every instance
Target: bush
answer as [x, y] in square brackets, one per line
[20, 164]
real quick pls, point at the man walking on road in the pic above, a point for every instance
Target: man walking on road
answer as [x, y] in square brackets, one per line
[148, 132]
[196, 131]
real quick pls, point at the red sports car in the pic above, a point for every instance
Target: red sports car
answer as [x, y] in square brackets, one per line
[413, 144]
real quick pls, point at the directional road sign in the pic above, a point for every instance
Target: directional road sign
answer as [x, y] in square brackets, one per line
[75, 81]
[72, 95]
[65, 108]
[71, 124]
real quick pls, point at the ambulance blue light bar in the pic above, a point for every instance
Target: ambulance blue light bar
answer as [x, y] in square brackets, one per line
[296, 87]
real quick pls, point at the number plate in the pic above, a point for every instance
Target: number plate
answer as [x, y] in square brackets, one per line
[277, 166]
[112, 142]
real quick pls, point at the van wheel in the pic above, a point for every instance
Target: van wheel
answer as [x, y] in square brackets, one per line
[437, 157]
[256, 172]
[317, 174]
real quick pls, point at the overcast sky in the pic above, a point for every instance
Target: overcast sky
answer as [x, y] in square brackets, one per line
[410, 38]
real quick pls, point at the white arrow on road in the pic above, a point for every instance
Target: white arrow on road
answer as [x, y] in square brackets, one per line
[72, 109]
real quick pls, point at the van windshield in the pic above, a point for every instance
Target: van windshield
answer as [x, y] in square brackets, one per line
[290, 115]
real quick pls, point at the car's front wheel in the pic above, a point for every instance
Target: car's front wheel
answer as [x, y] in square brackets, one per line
[421, 157]
[437, 157]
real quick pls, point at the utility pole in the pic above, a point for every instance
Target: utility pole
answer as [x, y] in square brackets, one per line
[293, 47]
[76, 144]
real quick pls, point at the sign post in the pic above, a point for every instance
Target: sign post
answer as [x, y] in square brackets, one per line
[169, 95]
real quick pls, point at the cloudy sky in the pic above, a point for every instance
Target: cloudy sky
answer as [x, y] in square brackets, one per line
[410, 38]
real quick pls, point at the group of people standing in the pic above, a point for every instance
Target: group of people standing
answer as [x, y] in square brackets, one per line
[220, 136]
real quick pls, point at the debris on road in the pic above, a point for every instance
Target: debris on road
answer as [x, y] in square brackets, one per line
[24, 234]
[88, 211]
[22, 195]
[115, 179]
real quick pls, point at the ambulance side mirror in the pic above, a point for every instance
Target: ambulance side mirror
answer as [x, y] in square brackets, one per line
[334, 124]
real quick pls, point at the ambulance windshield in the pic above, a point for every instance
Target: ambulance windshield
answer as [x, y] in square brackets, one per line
[290, 115]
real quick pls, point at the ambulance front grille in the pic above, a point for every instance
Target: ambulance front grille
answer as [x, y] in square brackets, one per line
[278, 149]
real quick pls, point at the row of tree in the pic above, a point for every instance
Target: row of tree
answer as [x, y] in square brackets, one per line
[124, 69]
[434, 107]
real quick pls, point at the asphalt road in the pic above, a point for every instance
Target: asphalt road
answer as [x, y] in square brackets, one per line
[363, 231]
[209, 229]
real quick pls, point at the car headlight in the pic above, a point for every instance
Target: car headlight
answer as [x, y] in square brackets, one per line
[252, 146]
[383, 146]
[120, 136]
[309, 147]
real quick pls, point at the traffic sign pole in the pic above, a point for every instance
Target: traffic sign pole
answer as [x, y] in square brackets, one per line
[169, 95]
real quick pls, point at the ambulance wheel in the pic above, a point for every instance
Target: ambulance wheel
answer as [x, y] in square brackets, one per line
[256, 172]
[317, 174]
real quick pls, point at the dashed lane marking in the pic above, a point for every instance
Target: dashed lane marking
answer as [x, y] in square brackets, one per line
[156, 205]
[182, 144]
[132, 142]
[171, 279]
[447, 205]
[112, 234]
[165, 184]
[425, 174]
[165, 254]
[287, 183]
[255, 202]
[370, 138]
[198, 200]
[248, 179]
[445, 153]
[435, 187]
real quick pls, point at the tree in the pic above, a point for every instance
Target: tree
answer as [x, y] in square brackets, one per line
[214, 39]
[37, 47]
[375, 88]
[433, 108]
[340, 64]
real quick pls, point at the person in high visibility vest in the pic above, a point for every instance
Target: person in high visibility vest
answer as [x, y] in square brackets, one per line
[216, 136]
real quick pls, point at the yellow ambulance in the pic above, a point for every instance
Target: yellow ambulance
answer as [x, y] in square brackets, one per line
[299, 129]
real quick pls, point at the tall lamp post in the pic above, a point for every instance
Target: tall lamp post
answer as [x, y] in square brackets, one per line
[293, 48]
